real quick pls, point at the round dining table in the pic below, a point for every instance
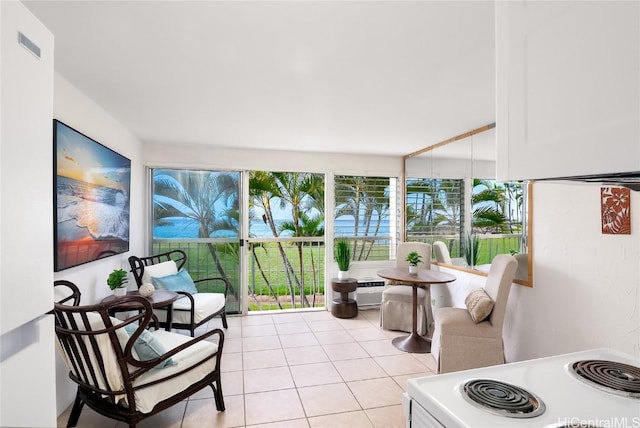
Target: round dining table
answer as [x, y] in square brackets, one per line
[423, 278]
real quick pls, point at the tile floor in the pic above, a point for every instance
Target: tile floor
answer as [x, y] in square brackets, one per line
[295, 370]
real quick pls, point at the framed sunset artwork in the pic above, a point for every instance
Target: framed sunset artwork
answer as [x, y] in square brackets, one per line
[91, 199]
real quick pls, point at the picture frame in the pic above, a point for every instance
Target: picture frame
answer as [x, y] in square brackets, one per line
[91, 199]
[615, 210]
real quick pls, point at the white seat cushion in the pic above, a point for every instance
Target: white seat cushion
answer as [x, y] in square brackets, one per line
[458, 322]
[205, 303]
[147, 398]
[397, 307]
[402, 293]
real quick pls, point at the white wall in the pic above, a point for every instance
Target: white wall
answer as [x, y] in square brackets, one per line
[586, 284]
[270, 160]
[76, 110]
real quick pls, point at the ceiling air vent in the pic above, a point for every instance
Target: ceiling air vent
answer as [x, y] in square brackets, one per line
[29, 45]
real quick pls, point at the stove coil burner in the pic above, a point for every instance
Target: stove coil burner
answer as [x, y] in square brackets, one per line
[502, 399]
[611, 376]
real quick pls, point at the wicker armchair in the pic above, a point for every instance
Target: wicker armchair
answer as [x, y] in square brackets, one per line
[108, 359]
[192, 310]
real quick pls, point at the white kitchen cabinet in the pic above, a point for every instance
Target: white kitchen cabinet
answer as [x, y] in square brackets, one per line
[27, 360]
[568, 88]
[26, 167]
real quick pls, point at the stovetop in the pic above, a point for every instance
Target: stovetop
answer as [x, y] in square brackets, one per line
[614, 377]
[501, 398]
[567, 400]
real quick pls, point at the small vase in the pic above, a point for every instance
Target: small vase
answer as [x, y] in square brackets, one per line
[413, 269]
[343, 274]
[119, 292]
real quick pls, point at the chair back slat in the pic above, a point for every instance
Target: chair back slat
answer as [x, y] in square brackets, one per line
[91, 349]
[96, 349]
[67, 291]
[139, 263]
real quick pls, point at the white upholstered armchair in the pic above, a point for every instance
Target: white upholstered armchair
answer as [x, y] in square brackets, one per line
[396, 307]
[471, 337]
[442, 252]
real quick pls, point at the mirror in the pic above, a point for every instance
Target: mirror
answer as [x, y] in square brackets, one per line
[452, 196]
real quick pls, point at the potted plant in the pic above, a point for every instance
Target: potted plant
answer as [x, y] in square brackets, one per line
[116, 282]
[413, 258]
[471, 249]
[342, 255]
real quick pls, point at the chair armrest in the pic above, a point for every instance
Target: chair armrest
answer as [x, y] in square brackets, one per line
[144, 318]
[224, 280]
[146, 365]
[187, 295]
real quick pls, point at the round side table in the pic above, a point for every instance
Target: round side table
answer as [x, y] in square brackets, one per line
[159, 299]
[344, 307]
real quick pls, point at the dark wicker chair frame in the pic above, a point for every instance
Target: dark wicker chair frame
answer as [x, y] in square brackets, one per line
[180, 257]
[77, 340]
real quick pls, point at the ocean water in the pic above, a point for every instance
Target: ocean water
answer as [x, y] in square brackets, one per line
[85, 209]
[179, 227]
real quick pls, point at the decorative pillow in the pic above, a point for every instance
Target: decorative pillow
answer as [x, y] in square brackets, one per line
[181, 281]
[479, 305]
[158, 270]
[148, 347]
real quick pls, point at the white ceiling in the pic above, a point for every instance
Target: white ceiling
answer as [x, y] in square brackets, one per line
[378, 77]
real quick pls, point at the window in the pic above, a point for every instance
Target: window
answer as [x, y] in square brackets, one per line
[435, 211]
[477, 227]
[366, 213]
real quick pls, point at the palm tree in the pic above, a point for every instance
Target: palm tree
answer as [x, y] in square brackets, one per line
[488, 205]
[310, 226]
[376, 201]
[446, 200]
[265, 278]
[295, 190]
[422, 209]
[262, 189]
[348, 193]
[363, 198]
[208, 198]
[513, 194]
[302, 192]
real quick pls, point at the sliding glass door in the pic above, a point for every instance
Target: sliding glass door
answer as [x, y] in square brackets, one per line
[200, 212]
[286, 253]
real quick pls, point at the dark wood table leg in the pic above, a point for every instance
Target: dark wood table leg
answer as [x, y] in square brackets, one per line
[169, 318]
[414, 342]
